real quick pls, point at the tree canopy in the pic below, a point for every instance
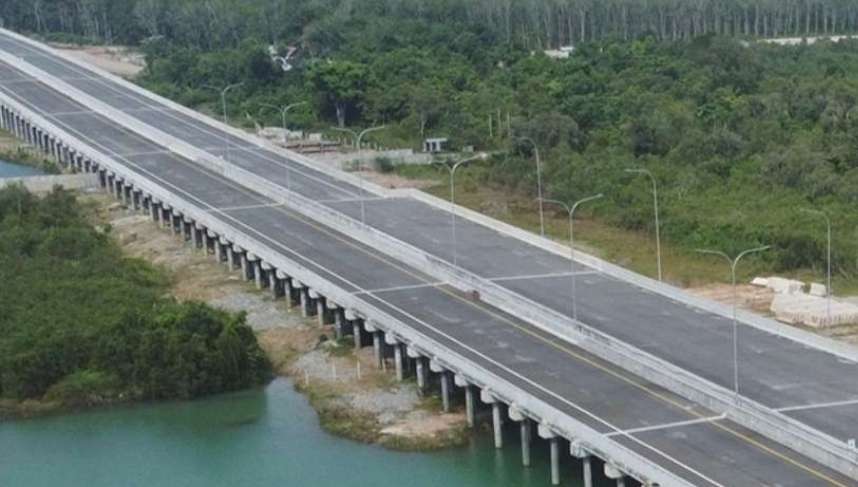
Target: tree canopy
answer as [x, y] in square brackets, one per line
[739, 133]
[532, 24]
[82, 323]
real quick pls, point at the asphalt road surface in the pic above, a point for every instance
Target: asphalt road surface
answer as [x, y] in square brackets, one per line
[676, 434]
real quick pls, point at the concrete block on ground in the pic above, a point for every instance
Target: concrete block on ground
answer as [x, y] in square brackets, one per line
[813, 311]
[817, 289]
[760, 282]
[785, 286]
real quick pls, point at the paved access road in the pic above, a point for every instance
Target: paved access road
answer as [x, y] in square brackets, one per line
[680, 436]
[814, 386]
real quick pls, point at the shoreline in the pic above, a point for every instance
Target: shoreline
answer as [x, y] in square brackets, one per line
[352, 398]
[14, 151]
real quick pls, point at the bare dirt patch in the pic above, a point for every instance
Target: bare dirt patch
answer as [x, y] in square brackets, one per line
[394, 181]
[118, 60]
[752, 298]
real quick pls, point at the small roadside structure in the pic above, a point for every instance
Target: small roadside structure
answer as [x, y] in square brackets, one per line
[434, 145]
[564, 52]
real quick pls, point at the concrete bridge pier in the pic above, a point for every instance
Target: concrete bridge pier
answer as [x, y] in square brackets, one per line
[136, 199]
[170, 220]
[331, 310]
[128, 195]
[166, 216]
[116, 187]
[122, 190]
[221, 250]
[259, 274]
[125, 191]
[357, 332]
[230, 257]
[497, 416]
[398, 361]
[470, 405]
[305, 302]
[613, 472]
[579, 452]
[111, 184]
[195, 236]
[547, 433]
[186, 227]
[322, 312]
[349, 318]
[446, 391]
[177, 224]
[339, 323]
[525, 426]
[419, 368]
[246, 261]
[155, 212]
[378, 347]
[277, 284]
[265, 278]
[293, 292]
[207, 240]
[198, 238]
[210, 242]
[497, 424]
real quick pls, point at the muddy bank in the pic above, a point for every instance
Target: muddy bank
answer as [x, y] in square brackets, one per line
[353, 397]
[14, 151]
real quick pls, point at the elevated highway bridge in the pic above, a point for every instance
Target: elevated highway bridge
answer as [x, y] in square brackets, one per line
[638, 389]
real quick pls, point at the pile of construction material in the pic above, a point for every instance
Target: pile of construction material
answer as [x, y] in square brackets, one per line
[798, 303]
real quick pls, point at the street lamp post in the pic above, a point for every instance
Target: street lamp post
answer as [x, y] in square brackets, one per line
[223, 93]
[452, 169]
[283, 111]
[571, 211]
[358, 137]
[733, 263]
[828, 225]
[538, 184]
[657, 225]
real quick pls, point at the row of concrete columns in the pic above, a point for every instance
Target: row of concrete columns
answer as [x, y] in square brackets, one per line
[407, 359]
[19, 126]
[386, 346]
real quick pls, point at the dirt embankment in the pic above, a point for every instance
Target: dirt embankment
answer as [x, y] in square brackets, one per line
[118, 60]
[353, 398]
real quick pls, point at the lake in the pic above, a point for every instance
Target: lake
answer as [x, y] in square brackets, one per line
[266, 437]
[10, 170]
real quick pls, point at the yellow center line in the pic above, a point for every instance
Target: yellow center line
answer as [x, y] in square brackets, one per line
[387, 260]
[578, 356]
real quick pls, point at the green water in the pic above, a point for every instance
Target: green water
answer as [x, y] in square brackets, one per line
[9, 170]
[264, 437]
[259, 438]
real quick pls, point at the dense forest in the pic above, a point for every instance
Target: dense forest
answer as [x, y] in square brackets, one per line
[741, 135]
[81, 324]
[530, 23]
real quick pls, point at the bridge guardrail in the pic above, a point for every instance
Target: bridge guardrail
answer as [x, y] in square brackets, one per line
[592, 440]
[807, 338]
[751, 414]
